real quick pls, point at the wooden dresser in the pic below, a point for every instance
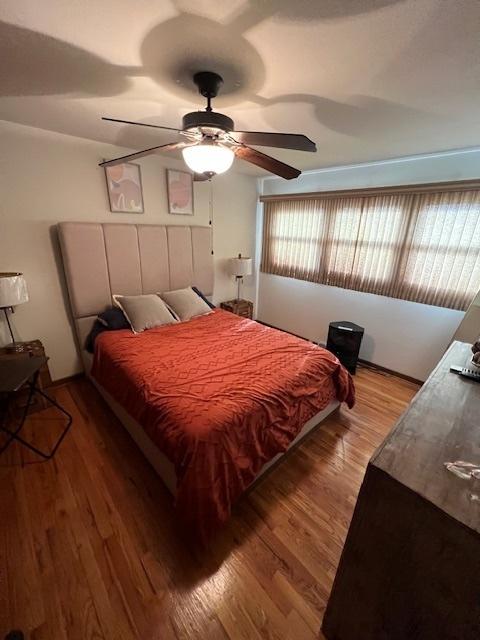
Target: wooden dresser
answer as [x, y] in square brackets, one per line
[410, 567]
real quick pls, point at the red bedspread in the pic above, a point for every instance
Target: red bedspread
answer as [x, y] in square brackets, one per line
[220, 396]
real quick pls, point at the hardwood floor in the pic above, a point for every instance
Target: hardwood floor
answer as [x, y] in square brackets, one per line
[89, 547]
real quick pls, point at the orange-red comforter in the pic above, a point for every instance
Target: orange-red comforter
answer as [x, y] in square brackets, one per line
[220, 396]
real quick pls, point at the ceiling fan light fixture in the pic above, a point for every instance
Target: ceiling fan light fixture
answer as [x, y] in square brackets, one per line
[210, 137]
[208, 158]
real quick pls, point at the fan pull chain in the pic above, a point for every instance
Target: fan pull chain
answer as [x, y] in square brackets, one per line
[210, 221]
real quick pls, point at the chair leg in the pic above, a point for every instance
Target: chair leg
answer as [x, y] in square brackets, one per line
[15, 635]
[14, 434]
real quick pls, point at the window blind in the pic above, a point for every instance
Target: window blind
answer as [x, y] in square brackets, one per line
[422, 246]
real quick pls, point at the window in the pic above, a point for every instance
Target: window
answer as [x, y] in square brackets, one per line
[416, 245]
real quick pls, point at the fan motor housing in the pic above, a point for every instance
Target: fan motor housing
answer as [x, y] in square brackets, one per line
[210, 119]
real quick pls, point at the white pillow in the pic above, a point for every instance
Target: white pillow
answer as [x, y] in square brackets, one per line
[144, 312]
[185, 303]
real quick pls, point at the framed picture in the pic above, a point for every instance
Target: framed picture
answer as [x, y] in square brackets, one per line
[180, 192]
[124, 185]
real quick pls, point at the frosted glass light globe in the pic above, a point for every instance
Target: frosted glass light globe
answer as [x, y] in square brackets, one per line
[208, 158]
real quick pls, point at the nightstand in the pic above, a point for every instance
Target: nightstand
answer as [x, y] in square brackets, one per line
[242, 308]
[32, 348]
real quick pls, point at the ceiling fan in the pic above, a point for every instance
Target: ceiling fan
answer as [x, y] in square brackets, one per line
[210, 142]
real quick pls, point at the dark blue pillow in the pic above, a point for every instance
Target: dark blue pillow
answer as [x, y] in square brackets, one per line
[109, 320]
[199, 293]
[113, 318]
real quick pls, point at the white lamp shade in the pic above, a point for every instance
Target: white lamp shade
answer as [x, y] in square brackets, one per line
[13, 289]
[240, 267]
[208, 158]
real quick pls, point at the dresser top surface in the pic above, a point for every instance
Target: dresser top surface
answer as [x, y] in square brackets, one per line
[441, 424]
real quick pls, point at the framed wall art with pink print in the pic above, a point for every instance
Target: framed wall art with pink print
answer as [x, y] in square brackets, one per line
[180, 192]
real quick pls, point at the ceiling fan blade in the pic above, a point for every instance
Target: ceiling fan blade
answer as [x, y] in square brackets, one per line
[172, 146]
[280, 140]
[141, 124]
[266, 162]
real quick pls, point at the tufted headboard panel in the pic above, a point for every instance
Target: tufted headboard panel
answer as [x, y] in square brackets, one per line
[130, 259]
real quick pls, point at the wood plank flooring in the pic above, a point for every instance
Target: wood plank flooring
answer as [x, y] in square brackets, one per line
[89, 547]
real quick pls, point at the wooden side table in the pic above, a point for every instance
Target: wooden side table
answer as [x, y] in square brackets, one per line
[32, 348]
[242, 308]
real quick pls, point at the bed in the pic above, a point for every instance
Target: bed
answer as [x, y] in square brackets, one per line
[212, 402]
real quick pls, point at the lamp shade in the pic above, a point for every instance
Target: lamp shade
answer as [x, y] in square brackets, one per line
[13, 289]
[240, 266]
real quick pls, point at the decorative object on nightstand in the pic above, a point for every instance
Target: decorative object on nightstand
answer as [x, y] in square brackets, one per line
[240, 267]
[15, 374]
[31, 349]
[242, 308]
[344, 340]
[13, 291]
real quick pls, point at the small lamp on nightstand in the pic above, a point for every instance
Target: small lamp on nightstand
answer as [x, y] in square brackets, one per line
[13, 291]
[240, 267]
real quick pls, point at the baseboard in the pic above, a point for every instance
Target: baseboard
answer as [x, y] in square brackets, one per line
[377, 367]
[365, 363]
[61, 381]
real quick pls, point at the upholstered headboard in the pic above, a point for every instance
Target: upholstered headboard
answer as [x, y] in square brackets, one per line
[130, 259]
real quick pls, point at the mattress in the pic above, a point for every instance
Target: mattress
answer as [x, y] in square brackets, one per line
[219, 396]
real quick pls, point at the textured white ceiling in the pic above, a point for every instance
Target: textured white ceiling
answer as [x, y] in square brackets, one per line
[365, 79]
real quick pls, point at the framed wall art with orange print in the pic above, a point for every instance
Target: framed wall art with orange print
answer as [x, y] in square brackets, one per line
[124, 185]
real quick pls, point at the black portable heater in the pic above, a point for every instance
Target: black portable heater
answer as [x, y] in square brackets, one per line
[344, 340]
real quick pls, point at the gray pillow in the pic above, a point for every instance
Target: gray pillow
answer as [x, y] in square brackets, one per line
[144, 312]
[185, 303]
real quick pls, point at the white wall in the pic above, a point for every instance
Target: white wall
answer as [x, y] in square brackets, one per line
[403, 336]
[434, 167]
[46, 178]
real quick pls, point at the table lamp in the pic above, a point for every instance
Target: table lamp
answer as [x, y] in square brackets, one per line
[13, 291]
[240, 267]
[469, 328]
